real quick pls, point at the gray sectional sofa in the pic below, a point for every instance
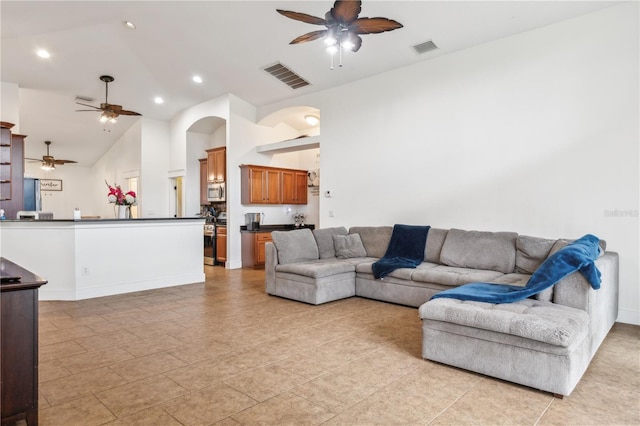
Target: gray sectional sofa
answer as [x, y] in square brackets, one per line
[545, 342]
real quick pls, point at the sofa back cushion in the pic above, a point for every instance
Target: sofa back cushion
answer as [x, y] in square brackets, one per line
[531, 252]
[435, 239]
[561, 243]
[295, 246]
[349, 246]
[495, 251]
[374, 238]
[324, 239]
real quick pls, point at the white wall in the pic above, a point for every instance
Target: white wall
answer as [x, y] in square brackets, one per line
[76, 183]
[535, 133]
[197, 143]
[121, 161]
[10, 104]
[154, 185]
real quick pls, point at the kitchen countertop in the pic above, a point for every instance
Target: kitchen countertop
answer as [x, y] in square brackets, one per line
[106, 219]
[282, 227]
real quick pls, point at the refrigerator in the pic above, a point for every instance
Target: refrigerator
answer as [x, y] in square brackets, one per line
[32, 198]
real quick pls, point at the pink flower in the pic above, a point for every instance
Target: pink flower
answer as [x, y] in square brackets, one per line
[117, 196]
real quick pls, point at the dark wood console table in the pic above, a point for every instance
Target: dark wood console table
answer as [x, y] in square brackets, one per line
[18, 343]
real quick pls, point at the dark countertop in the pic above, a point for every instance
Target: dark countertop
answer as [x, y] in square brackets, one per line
[106, 219]
[283, 227]
[15, 277]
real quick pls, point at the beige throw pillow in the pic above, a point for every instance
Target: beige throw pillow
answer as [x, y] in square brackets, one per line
[348, 246]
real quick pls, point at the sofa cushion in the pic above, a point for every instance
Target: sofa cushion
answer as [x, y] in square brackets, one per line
[374, 238]
[348, 246]
[435, 239]
[512, 279]
[365, 267]
[531, 319]
[561, 243]
[317, 269]
[531, 252]
[295, 246]
[324, 239]
[495, 251]
[452, 276]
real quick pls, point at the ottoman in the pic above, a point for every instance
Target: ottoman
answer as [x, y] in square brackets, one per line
[534, 343]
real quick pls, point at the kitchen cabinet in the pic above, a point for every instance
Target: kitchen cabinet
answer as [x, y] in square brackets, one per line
[11, 170]
[294, 187]
[203, 182]
[5, 164]
[253, 248]
[19, 345]
[217, 164]
[260, 185]
[272, 185]
[221, 244]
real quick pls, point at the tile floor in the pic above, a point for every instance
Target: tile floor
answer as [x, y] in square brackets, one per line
[223, 352]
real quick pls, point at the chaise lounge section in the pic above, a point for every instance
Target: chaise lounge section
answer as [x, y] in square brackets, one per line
[545, 342]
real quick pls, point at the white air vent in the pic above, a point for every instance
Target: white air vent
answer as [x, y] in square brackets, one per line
[285, 75]
[84, 99]
[425, 47]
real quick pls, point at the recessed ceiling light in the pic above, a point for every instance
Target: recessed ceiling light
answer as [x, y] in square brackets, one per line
[312, 120]
[43, 53]
[130, 25]
[158, 100]
[197, 79]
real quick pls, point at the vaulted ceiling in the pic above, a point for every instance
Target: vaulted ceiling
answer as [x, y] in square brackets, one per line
[227, 43]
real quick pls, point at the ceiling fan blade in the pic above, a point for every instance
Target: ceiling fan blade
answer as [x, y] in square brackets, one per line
[125, 112]
[303, 17]
[87, 105]
[346, 11]
[314, 35]
[63, 161]
[87, 110]
[33, 159]
[374, 25]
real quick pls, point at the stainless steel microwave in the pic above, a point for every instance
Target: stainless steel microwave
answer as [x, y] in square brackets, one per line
[216, 192]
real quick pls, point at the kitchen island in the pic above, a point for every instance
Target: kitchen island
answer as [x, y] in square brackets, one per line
[100, 257]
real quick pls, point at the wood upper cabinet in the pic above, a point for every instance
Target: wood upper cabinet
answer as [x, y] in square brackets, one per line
[217, 164]
[294, 187]
[272, 185]
[11, 171]
[204, 199]
[260, 185]
[5, 164]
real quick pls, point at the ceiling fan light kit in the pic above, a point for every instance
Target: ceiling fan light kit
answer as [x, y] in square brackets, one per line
[108, 112]
[48, 162]
[343, 27]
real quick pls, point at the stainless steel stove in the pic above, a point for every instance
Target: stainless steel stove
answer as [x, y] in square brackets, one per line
[210, 237]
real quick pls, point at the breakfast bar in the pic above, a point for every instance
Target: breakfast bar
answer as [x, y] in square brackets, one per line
[100, 257]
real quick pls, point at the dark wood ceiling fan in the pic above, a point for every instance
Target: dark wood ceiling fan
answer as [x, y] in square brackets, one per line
[109, 111]
[343, 25]
[48, 162]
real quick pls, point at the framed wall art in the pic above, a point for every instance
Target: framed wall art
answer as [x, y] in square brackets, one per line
[50, 184]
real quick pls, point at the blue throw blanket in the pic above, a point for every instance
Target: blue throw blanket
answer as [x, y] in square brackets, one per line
[579, 255]
[406, 250]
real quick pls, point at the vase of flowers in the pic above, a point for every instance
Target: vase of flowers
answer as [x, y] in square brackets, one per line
[122, 200]
[298, 219]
